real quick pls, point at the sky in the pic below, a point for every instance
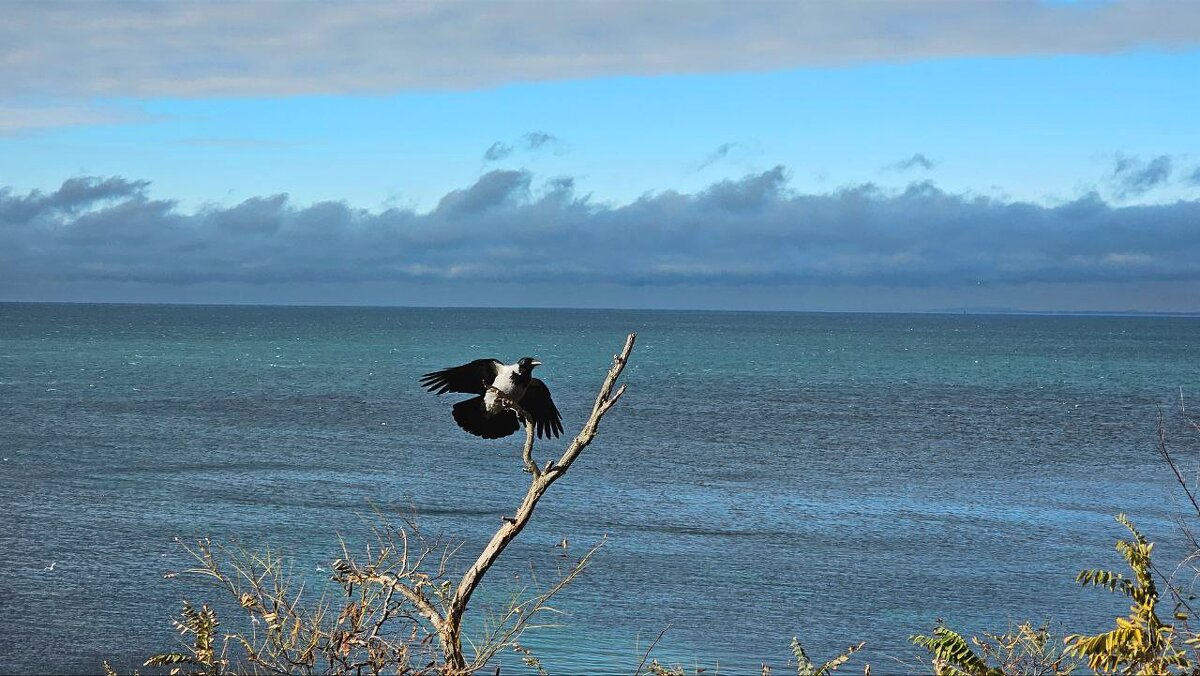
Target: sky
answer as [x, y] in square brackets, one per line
[862, 156]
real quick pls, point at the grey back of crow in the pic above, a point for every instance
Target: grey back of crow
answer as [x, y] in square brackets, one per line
[483, 415]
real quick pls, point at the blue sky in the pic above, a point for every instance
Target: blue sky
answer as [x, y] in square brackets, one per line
[1029, 128]
[1043, 129]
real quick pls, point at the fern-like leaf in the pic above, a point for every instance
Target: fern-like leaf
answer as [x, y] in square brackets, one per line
[804, 665]
[953, 654]
[202, 623]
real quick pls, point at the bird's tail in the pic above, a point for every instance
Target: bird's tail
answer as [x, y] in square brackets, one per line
[472, 417]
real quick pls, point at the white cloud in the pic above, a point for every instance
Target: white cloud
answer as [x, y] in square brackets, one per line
[194, 49]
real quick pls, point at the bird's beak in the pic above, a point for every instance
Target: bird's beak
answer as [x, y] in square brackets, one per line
[535, 363]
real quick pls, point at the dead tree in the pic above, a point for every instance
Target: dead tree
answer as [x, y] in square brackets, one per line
[400, 613]
[449, 624]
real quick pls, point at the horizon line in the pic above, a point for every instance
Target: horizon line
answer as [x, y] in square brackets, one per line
[936, 311]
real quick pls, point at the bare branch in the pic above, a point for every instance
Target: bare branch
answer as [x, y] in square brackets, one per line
[649, 650]
[1166, 454]
[604, 402]
[348, 572]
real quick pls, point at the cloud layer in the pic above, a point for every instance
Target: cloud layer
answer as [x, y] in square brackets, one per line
[194, 49]
[507, 228]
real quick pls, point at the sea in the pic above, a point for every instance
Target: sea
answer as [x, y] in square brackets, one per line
[833, 477]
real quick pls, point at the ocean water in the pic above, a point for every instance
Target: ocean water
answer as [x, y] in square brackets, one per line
[839, 477]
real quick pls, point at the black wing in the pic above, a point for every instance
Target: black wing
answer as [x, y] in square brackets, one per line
[472, 378]
[538, 404]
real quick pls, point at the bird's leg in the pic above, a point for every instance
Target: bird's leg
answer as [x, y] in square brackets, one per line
[506, 401]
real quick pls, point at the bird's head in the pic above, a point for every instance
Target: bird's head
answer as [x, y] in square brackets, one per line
[526, 364]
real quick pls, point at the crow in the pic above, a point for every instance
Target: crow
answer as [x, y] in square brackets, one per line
[484, 416]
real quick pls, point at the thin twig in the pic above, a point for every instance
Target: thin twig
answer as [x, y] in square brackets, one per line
[649, 650]
[1166, 454]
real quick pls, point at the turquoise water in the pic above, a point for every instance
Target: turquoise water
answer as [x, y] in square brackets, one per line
[837, 477]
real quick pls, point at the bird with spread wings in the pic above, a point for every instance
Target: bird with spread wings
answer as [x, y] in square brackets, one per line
[485, 415]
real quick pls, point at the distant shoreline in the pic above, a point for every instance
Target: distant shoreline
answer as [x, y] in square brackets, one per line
[979, 312]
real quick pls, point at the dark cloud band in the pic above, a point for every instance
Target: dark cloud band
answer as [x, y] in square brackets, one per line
[508, 228]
